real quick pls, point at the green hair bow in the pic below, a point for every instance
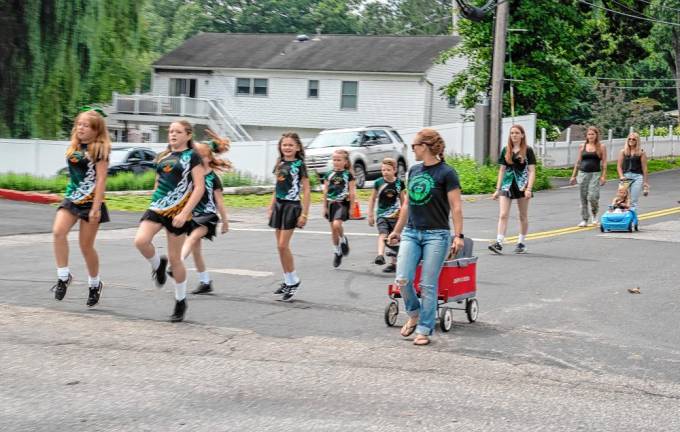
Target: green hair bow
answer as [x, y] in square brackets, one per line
[92, 108]
[213, 145]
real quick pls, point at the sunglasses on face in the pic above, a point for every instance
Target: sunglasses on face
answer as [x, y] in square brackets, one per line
[413, 146]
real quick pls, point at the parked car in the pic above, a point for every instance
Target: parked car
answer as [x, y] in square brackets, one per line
[136, 160]
[367, 147]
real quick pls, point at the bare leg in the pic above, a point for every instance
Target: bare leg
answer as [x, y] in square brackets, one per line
[285, 254]
[381, 244]
[175, 243]
[86, 237]
[523, 207]
[338, 232]
[192, 240]
[145, 234]
[63, 222]
[504, 213]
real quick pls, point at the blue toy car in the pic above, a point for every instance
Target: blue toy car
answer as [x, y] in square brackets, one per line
[619, 220]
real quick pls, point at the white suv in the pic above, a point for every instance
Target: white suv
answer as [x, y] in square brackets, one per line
[367, 147]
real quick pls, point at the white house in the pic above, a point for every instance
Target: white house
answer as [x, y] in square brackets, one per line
[255, 86]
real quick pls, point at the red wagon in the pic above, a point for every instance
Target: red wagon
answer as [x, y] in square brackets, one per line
[457, 286]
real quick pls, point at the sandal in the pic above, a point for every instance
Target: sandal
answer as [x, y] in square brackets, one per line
[407, 330]
[421, 340]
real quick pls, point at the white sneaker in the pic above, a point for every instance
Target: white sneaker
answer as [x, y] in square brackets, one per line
[593, 221]
[583, 224]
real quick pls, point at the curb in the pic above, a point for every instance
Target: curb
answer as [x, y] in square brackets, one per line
[34, 197]
[238, 190]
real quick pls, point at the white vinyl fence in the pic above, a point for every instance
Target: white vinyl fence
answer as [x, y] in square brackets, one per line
[255, 158]
[564, 153]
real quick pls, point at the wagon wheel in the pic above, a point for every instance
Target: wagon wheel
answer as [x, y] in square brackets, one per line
[391, 312]
[445, 319]
[472, 309]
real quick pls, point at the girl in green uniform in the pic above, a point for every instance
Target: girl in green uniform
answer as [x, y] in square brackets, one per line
[88, 161]
[339, 191]
[179, 187]
[205, 215]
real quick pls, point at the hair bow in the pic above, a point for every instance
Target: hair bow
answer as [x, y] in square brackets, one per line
[93, 108]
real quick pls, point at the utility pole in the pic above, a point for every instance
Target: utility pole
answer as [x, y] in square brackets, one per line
[454, 17]
[497, 79]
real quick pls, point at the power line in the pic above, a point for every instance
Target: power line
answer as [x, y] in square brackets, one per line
[629, 15]
[634, 79]
[660, 5]
[643, 88]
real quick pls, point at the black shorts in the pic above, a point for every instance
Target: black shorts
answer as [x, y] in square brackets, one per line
[152, 216]
[82, 211]
[385, 225]
[338, 210]
[514, 192]
[285, 215]
[208, 220]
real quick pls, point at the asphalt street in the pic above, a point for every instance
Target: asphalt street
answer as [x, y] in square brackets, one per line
[560, 343]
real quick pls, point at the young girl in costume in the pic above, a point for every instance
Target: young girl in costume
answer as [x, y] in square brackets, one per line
[338, 196]
[179, 187]
[389, 191]
[285, 211]
[88, 161]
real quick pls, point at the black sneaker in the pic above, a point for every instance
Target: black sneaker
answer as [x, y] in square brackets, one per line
[520, 248]
[496, 248]
[281, 289]
[60, 287]
[169, 272]
[159, 275]
[337, 259]
[180, 310]
[95, 293]
[289, 291]
[203, 288]
[344, 246]
[390, 268]
[380, 260]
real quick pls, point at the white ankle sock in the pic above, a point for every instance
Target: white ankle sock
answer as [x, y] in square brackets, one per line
[93, 281]
[337, 249]
[204, 277]
[62, 273]
[155, 260]
[521, 238]
[294, 278]
[500, 238]
[180, 290]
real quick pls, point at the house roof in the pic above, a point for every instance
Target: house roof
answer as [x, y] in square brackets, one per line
[347, 53]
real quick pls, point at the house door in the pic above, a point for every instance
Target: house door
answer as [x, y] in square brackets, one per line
[182, 87]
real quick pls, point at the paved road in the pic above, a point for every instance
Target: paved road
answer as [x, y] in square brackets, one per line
[560, 343]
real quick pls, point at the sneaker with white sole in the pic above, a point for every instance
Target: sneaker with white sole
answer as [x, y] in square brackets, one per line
[496, 248]
[520, 248]
[583, 223]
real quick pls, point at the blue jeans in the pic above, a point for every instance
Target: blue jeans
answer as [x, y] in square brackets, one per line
[635, 188]
[432, 246]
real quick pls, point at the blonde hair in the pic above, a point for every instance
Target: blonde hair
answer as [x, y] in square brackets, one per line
[522, 146]
[434, 142]
[190, 144]
[216, 163]
[390, 162]
[345, 153]
[638, 147]
[100, 147]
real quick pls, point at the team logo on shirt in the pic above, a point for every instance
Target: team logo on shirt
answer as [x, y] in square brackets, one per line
[420, 189]
[167, 165]
[76, 157]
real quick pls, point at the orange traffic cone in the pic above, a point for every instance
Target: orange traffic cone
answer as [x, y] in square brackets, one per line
[356, 212]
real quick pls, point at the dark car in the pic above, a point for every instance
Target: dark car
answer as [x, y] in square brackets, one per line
[136, 160]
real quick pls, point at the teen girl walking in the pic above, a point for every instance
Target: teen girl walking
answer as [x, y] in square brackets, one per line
[591, 164]
[285, 211]
[179, 187]
[516, 175]
[632, 165]
[204, 219]
[338, 197]
[88, 161]
[433, 195]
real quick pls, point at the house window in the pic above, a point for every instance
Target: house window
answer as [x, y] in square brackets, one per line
[182, 87]
[242, 86]
[453, 102]
[248, 86]
[348, 99]
[313, 89]
[260, 87]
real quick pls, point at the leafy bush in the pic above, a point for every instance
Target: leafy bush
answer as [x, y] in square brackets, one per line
[480, 179]
[25, 182]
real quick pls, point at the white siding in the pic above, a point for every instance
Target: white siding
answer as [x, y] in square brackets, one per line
[382, 99]
[440, 75]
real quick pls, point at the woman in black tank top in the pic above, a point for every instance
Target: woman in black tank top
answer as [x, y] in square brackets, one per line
[632, 165]
[591, 166]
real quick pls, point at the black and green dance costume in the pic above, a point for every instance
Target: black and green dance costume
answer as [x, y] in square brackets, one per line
[175, 184]
[287, 208]
[516, 177]
[337, 194]
[79, 195]
[205, 212]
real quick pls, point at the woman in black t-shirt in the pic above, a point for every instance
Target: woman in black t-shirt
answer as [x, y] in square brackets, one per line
[516, 175]
[591, 165]
[632, 166]
[433, 193]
